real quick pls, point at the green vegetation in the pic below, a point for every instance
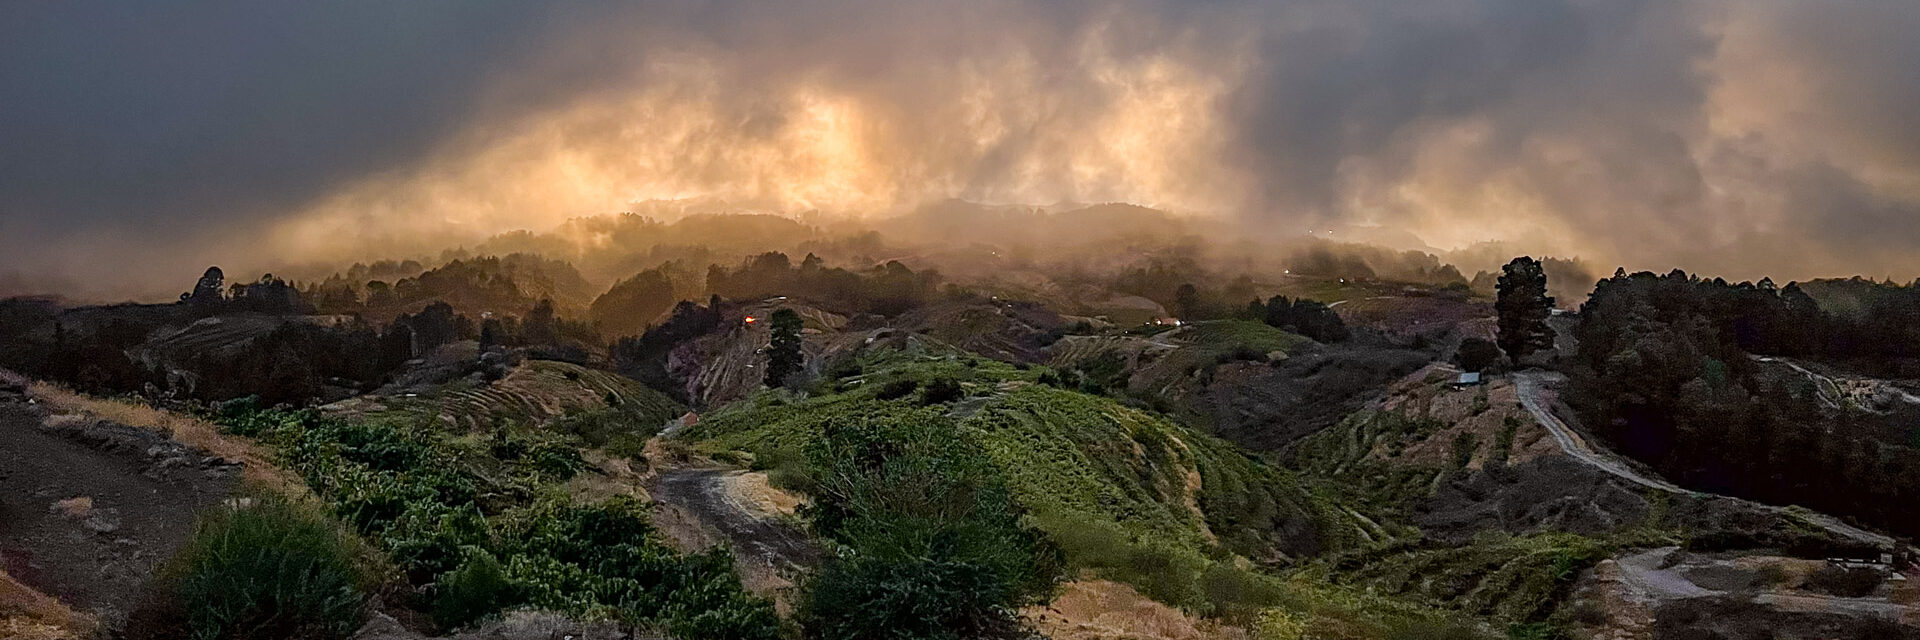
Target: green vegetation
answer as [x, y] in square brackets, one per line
[1520, 580]
[275, 569]
[784, 355]
[1122, 493]
[478, 526]
[538, 392]
[1523, 307]
[931, 542]
[1229, 335]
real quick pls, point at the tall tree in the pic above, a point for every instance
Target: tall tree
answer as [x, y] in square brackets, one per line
[540, 326]
[784, 355]
[1186, 301]
[1523, 306]
[208, 293]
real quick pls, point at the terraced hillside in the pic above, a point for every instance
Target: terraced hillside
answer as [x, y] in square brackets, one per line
[1256, 385]
[1508, 520]
[216, 334]
[1128, 495]
[1002, 330]
[1411, 314]
[1070, 454]
[1156, 362]
[533, 393]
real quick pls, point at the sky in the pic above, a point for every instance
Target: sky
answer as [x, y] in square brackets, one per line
[140, 142]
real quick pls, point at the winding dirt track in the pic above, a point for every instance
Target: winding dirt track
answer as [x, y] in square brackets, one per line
[757, 534]
[1534, 394]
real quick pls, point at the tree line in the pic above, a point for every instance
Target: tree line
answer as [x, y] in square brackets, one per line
[1668, 378]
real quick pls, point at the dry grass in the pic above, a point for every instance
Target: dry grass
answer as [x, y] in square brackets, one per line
[758, 495]
[199, 434]
[1100, 609]
[26, 614]
[610, 476]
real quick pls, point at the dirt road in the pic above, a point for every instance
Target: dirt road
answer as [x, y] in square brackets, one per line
[89, 508]
[1535, 394]
[734, 504]
[1833, 393]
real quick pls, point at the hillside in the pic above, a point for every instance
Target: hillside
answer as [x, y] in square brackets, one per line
[533, 392]
[1523, 523]
[1128, 495]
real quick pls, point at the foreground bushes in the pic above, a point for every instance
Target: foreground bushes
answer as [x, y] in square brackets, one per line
[478, 528]
[275, 570]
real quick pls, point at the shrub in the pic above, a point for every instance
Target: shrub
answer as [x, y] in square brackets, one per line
[897, 389]
[922, 579]
[278, 569]
[1476, 354]
[1464, 446]
[481, 533]
[477, 588]
[933, 546]
[940, 391]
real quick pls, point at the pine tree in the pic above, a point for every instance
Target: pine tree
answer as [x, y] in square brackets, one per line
[784, 356]
[1523, 307]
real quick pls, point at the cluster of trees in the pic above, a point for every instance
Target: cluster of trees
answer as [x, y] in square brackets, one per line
[484, 284]
[1874, 325]
[888, 290]
[270, 295]
[1309, 318]
[295, 362]
[645, 357]
[1670, 382]
[94, 361]
[1367, 262]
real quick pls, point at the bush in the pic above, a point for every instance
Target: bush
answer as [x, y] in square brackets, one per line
[479, 587]
[933, 545]
[940, 391]
[922, 580]
[1477, 354]
[897, 389]
[454, 504]
[275, 570]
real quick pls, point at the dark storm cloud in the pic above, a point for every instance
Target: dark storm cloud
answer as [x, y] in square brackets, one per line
[165, 113]
[1707, 134]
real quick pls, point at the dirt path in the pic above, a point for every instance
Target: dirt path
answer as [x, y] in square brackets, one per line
[89, 508]
[1832, 391]
[747, 515]
[1535, 395]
